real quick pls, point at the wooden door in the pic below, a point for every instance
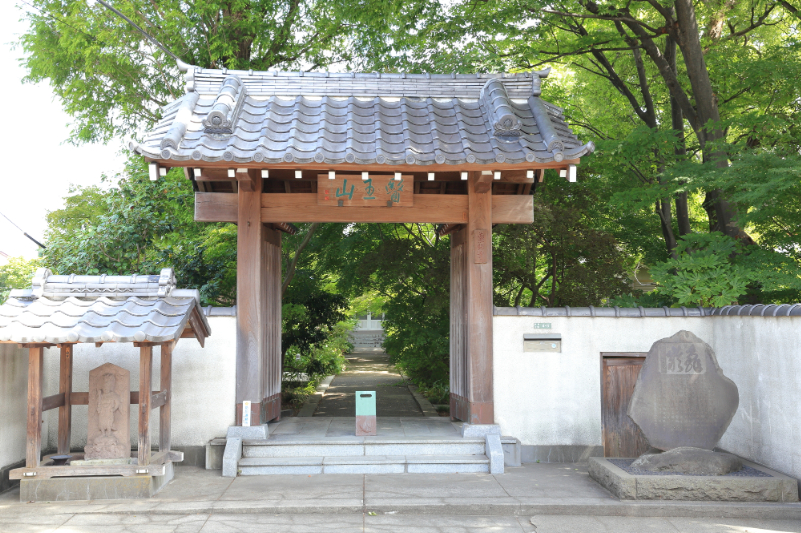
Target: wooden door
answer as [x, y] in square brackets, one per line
[622, 438]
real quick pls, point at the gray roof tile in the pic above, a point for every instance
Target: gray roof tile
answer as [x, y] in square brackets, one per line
[273, 117]
[98, 309]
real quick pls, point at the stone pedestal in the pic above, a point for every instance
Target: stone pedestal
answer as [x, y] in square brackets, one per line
[60, 489]
[770, 486]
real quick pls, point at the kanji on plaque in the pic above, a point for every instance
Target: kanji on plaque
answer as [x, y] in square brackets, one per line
[379, 190]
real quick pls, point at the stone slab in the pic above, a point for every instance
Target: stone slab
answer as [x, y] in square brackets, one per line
[480, 430]
[215, 449]
[477, 447]
[390, 468]
[231, 457]
[559, 453]
[446, 468]
[278, 469]
[777, 488]
[494, 451]
[512, 451]
[249, 432]
[59, 489]
[681, 397]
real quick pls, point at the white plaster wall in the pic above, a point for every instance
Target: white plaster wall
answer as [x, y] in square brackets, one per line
[204, 381]
[553, 399]
[763, 357]
[13, 400]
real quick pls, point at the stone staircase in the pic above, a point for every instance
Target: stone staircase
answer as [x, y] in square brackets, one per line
[363, 455]
[322, 447]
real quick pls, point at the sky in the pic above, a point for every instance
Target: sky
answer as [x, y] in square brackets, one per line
[38, 165]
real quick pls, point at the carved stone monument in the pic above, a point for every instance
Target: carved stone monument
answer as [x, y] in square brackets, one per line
[681, 397]
[109, 413]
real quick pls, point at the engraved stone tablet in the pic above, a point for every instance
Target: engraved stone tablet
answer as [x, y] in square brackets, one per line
[109, 407]
[681, 397]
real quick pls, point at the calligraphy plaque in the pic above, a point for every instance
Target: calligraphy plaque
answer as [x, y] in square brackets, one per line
[481, 245]
[682, 397]
[379, 190]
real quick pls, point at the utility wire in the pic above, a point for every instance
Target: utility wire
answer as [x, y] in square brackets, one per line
[143, 32]
[42, 246]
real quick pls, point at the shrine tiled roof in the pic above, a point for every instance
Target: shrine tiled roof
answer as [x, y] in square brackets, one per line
[73, 309]
[335, 118]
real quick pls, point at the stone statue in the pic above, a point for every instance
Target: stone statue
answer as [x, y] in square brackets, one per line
[109, 410]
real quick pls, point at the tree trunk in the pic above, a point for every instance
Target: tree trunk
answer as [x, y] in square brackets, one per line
[677, 123]
[722, 216]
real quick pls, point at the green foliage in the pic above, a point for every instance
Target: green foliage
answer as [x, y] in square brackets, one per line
[17, 274]
[563, 258]
[408, 267]
[323, 358]
[138, 226]
[309, 317]
[702, 274]
[113, 81]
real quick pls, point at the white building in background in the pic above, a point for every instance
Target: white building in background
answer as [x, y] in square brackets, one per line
[368, 333]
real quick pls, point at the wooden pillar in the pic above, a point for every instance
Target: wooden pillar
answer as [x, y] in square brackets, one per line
[145, 390]
[65, 388]
[458, 330]
[271, 362]
[478, 299]
[34, 446]
[251, 303]
[165, 373]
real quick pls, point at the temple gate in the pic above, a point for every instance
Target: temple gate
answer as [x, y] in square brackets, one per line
[266, 149]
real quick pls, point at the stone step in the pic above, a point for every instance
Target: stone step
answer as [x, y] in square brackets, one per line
[361, 447]
[365, 464]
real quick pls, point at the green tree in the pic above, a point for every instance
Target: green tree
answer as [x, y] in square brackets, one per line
[114, 82]
[16, 274]
[560, 259]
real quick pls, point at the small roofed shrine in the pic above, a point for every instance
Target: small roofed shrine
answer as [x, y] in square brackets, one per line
[266, 149]
[63, 311]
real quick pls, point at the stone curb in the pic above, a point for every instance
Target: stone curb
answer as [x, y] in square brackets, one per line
[513, 507]
[425, 405]
[310, 405]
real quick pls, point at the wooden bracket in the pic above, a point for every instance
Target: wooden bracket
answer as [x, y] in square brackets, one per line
[484, 182]
[249, 179]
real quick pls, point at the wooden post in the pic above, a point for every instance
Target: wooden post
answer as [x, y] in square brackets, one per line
[251, 303]
[145, 388]
[65, 388]
[34, 447]
[165, 428]
[478, 300]
[458, 333]
[271, 362]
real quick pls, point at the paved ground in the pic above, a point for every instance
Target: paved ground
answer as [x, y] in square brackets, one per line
[369, 371]
[541, 498]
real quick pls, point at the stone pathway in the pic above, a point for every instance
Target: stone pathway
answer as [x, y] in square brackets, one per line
[368, 371]
[534, 498]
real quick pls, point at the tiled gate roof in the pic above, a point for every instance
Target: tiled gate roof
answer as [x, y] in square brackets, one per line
[333, 118]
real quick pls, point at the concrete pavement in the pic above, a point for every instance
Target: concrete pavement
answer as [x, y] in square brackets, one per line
[533, 498]
[369, 371]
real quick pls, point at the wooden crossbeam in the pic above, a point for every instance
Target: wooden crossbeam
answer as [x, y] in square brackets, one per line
[51, 402]
[302, 207]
